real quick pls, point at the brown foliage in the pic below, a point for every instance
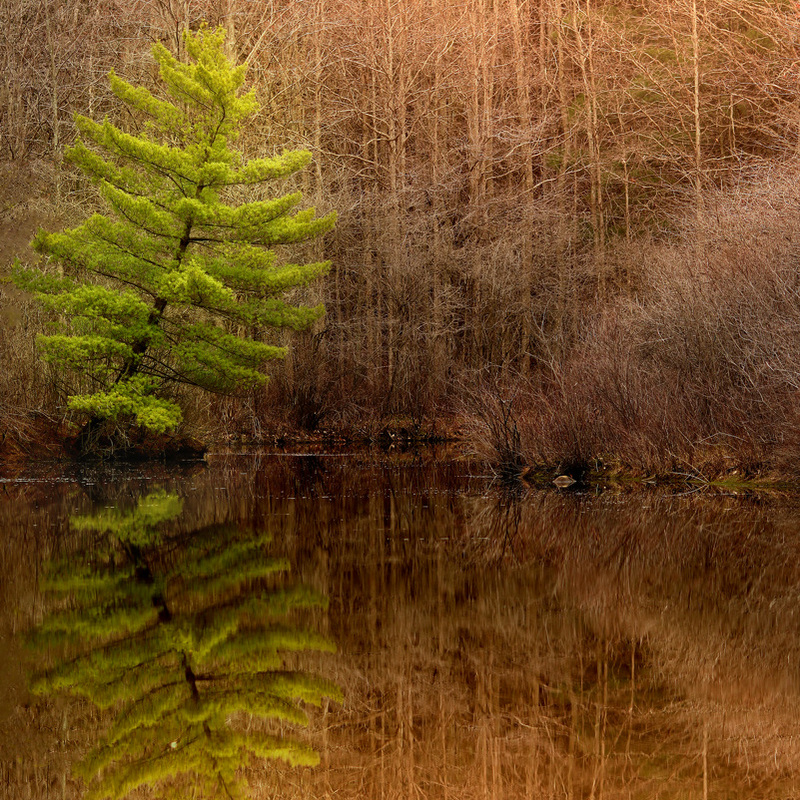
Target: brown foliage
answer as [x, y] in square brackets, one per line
[702, 372]
[494, 166]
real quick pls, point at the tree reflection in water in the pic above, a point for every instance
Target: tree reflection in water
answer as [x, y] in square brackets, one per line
[548, 645]
[185, 639]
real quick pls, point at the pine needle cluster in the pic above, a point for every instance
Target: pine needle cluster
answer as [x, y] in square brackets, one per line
[174, 284]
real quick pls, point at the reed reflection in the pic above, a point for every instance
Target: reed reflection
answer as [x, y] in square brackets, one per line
[186, 640]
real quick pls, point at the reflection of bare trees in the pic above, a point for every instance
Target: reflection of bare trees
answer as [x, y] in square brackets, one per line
[544, 646]
[614, 647]
[549, 645]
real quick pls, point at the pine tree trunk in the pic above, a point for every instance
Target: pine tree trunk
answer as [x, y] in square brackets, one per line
[88, 441]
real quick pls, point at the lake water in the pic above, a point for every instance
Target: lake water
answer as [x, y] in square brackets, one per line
[450, 640]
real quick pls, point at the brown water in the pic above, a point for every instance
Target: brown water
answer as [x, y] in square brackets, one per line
[545, 645]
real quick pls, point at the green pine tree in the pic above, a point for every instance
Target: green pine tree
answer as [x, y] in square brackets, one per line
[184, 641]
[160, 290]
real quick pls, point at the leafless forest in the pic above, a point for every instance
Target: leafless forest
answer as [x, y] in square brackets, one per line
[568, 227]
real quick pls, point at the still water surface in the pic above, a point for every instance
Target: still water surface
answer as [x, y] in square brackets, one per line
[444, 639]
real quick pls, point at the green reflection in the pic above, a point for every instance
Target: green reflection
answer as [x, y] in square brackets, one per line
[185, 639]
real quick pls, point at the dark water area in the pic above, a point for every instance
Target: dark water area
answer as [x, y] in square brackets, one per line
[169, 630]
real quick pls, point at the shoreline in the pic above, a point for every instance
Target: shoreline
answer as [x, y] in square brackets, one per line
[44, 440]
